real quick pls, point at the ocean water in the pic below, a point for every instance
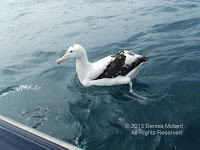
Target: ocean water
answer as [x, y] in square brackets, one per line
[40, 94]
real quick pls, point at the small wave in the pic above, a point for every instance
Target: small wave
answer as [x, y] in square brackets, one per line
[70, 21]
[13, 89]
[35, 117]
[22, 14]
[8, 72]
[72, 34]
[169, 9]
[177, 25]
[44, 54]
[188, 5]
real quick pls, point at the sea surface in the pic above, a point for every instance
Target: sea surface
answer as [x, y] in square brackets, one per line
[49, 98]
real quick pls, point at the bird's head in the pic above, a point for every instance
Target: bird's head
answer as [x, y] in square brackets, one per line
[75, 51]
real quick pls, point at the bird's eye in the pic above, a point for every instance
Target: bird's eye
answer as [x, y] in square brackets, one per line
[70, 51]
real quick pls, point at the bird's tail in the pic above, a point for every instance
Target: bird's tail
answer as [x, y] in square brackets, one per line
[144, 58]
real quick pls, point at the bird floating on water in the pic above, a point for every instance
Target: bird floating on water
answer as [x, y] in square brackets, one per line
[119, 68]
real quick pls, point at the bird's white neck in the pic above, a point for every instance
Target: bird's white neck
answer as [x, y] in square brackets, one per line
[82, 66]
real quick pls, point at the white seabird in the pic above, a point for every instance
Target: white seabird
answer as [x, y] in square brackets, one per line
[119, 68]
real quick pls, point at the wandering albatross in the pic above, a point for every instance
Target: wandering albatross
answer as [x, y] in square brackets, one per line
[119, 68]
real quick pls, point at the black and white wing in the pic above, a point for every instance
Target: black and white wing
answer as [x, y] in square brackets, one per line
[122, 64]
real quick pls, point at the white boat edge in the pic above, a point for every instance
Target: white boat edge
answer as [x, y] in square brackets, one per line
[40, 134]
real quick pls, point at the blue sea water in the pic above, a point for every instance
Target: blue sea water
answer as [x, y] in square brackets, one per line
[50, 98]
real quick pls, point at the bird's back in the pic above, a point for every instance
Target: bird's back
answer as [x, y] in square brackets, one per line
[122, 63]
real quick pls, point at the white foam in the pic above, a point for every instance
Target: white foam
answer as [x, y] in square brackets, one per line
[20, 88]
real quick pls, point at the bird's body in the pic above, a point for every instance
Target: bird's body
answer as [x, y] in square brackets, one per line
[119, 68]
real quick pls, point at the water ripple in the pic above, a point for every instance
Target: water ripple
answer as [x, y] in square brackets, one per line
[13, 89]
[35, 117]
[177, 25]
[22, 14]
